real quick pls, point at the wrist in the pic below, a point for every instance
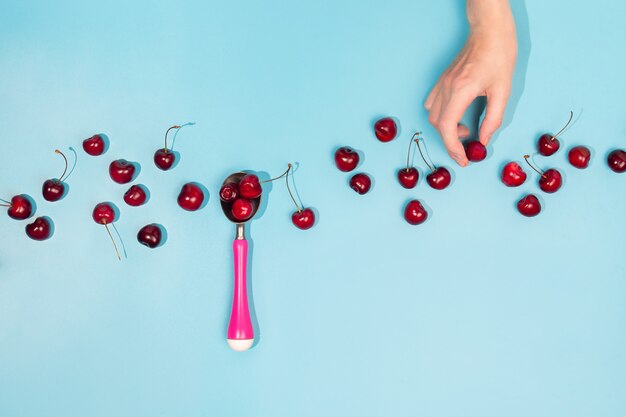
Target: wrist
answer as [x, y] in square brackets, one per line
[490, 17]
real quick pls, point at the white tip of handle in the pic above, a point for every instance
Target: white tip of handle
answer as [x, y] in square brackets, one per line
[240, 344]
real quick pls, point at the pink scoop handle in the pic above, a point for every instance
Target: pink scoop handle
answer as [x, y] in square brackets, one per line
[240, 326]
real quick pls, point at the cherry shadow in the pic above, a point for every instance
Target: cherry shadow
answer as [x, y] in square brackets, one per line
[74, 164]
[173, 142]
[119, 237]
[106, 141]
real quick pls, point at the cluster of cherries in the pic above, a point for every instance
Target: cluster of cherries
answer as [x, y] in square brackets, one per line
[121, 171]
[240, 198]
[550, 180]
[439, 178]
[386, 129]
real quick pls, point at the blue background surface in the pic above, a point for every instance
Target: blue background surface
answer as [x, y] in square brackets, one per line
[478, 312]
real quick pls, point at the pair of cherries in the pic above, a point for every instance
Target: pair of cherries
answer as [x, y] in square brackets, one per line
[21, 208]
[439, 178]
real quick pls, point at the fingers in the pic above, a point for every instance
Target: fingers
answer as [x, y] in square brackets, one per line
[446, 121]
[428, 104]
[462, 131]
[496, 103]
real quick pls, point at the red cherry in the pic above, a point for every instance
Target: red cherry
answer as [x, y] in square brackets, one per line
[617, 161]
[346, 159]
[439, 178]
[513, 175]
[548, 144]
[95, 145]
[40, 229]
[250, 187]
[475, 151]
[121, 171]
[415, 213]
[229, 192]
[303, 219]
[242, 209]
[135, 196]
[529, 205]
[191, 197]
[579, 157]
[53, 189]
[150, 236]
[550, 181]
[385, 129]
[104, 213]
[164, 159]
[360, 183]
[408, 177]
[19, 208]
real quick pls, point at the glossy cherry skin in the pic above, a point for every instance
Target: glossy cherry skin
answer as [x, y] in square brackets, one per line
[164, 159]
[385, 129]
[415, 213]
[529, 205]
[303, 219]
[550, 181]
[150, 236]
[94, 146]
[408, 177]
[190, 197]
[40, 229]
[241, 209]
[135, 196]
[475, 151]
[53, 189]
[617, 161]
[346, 159]
[20, 208]
[250, 187]
[513, 175]
[548, 145]
[229, 192]
[579, 157]
[121, 171]
[361, 183]
[103, 213]
[439, 178]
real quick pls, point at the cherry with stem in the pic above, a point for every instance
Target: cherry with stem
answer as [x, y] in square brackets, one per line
[548, 144]
[439, 177]
[550, 180]
[409, 176]
[164, 158]
[53, 189]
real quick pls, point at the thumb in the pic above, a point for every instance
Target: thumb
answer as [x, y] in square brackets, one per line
[496, 103]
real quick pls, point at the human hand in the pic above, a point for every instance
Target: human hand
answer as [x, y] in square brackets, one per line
[484, 67]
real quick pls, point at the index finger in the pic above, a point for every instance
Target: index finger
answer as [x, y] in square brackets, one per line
[448, 126]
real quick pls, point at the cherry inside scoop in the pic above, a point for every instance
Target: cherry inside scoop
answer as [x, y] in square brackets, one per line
[226, 206]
